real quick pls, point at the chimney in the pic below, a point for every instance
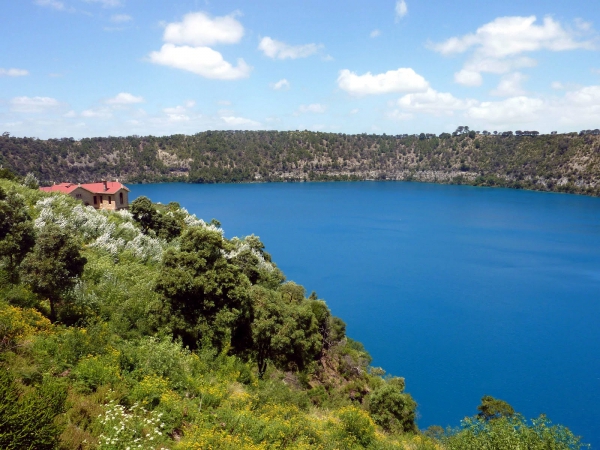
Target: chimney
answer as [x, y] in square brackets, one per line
[105, 185]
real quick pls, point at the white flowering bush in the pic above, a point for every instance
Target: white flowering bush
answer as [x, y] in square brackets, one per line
[146, 247]
[129, 429]
[31, 181]
[97, 228]
[192, 221]
[243, 248]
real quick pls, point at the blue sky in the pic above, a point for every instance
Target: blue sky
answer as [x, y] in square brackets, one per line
[82, 68]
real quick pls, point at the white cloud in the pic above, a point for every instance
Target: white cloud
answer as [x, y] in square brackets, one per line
[468, 78]
[180, 113]
[507, 36]
[315, 108]
[513, 110]
[401, 9]
[121, 18]
[177, 114]
[400, 80]
[54, 4]
[202, 61]
[281, 84]
[199, 29]
[375, 33]
[499, 66]
[280, 50]
[588, 96]
[98, 113]
[510, 85]
[33, 104]
[583, 25]
[578, 108]
[498, 45]
[124, 98]
[434, 102]
[354, 111]
[13, 72]
[240, 121]
[196, 31]
[107, 3]
[399, 115]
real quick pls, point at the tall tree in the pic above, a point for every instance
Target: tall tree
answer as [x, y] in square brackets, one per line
[494, 408]
[284, 331]
[17, 236]
[208, 295]
[54, 265]
[392, 408]
[144, 213]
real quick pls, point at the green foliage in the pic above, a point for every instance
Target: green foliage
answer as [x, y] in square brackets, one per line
[564, 162]
[492, 408]
[332, 329]
[144, 213]
[511, 432]
[28, 418]
[151, 220]
[391, 408]
[16, 230]
[7, 174]
[356, 427]
[94, 371]
[54, 265]
[31, 181]
[284, 329]
[207, 294]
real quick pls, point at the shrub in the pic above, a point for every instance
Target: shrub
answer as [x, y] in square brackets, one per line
[94, 371]
[27, 420]
[392, 409]
[511, 432]
[17, 323]
[356, 427]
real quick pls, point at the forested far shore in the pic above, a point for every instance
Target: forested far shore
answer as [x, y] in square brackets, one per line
[524, 160]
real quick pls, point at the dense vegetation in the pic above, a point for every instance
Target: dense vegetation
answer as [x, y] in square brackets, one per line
[558, 162]
[149, 329]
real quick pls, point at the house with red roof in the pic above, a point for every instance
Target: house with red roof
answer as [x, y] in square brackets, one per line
[101, 195]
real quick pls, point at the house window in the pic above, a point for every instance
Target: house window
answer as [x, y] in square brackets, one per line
[109, 199]
[95, 200]
[121, 197]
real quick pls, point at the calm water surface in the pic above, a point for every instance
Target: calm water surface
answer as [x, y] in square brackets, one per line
[463, 291]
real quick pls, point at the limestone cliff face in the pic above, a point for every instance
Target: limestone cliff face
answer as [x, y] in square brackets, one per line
[563, 162]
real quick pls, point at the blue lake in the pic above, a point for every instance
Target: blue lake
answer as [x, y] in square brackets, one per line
[463, 291]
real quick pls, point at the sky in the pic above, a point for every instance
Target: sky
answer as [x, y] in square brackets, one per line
[86, 68]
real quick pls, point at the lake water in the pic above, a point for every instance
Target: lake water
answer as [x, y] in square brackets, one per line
[463, 291]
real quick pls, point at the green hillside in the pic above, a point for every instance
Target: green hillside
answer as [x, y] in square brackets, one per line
[560, 162]
[149, 329]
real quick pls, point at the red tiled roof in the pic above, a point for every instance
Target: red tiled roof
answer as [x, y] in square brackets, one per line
[99, 188]
[102, 187]
[65, 188]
